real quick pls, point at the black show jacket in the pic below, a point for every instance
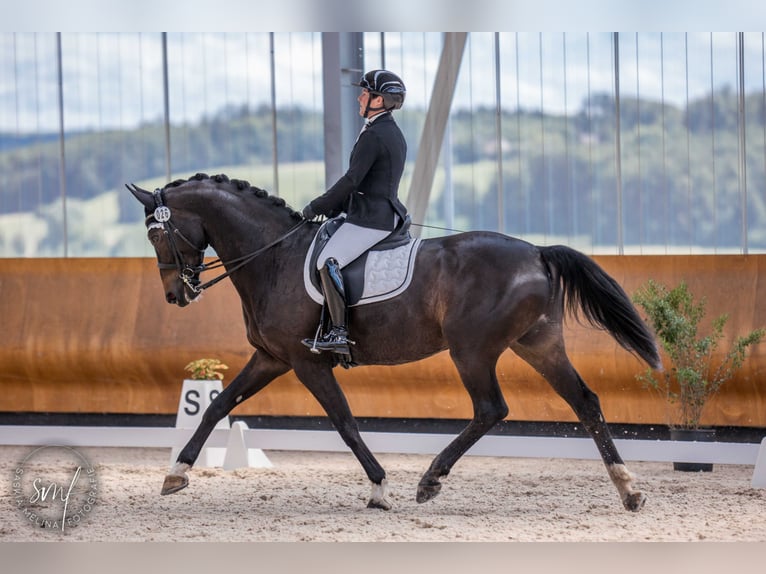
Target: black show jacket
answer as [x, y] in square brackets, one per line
[368, 191]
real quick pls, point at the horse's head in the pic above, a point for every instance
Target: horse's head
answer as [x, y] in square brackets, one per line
[179, 242]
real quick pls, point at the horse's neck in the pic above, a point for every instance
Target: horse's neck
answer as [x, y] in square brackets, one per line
[255, 236]
[241, 234]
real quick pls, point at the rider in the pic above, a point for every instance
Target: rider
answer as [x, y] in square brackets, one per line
[368, 195]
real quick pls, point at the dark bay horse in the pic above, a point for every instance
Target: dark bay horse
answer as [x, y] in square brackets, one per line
[474, 293]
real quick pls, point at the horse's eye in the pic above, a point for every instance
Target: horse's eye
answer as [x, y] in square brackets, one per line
[154, 238]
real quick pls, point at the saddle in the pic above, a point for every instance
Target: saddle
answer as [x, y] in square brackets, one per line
[383, 272]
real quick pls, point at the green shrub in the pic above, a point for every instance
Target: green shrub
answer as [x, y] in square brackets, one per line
[693, 377]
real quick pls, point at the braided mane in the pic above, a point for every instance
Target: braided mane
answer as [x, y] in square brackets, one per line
[240, 185]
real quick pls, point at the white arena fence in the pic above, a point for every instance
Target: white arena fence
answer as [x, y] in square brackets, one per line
[241, 443]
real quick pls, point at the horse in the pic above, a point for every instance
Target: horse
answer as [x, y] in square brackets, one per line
[474, 293]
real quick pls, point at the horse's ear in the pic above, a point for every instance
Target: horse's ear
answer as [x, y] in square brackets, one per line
[141, 195]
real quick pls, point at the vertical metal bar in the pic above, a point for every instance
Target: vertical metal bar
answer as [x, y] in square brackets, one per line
[763, 93]
[742, 139]
[449, 186]
[383, 50]
[618, 143]
[547, 188]
[333, 116]
[342, 62]
[434, 126]
[665, 198]
[62, 155]
[590, 138]
[37, 123]
[712, 147]
[16, 68]
[641, 238]
[499, 139]
[568, 168]
[688, 146]
[519, 165]
[166, 90]
[274, 142]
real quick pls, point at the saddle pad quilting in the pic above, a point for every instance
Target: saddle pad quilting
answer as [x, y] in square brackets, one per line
[387, 274]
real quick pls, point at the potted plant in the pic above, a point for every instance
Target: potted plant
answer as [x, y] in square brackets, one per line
[694, 376]
[206, 369]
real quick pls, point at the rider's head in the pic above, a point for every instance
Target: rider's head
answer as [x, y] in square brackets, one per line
[386, 91]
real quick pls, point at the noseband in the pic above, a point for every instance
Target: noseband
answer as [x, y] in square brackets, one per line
[189, 274]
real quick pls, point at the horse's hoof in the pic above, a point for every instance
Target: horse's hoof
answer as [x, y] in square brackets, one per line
[634, 501]
[173, 483]
[381, 503]
[378, 496]
[428, 490]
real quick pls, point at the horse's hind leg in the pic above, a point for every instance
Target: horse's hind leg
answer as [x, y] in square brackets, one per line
[478, 375]
[554, 365]
[259, 372]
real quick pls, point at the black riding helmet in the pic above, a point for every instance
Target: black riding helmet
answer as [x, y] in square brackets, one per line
[386, 84]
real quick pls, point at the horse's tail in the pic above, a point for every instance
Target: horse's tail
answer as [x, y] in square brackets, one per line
[589, 289]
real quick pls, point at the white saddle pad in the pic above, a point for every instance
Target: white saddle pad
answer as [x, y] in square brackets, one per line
[386, 273]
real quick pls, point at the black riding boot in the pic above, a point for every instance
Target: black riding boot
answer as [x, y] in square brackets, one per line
[336, 340]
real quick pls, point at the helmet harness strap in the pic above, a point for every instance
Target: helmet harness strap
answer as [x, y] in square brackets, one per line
[368, 108]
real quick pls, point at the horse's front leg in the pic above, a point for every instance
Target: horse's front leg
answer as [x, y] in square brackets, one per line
[260, 370]
[318, 378]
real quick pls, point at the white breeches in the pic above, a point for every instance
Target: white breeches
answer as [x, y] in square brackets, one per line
[349, 242]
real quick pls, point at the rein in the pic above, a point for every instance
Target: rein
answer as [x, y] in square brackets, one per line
[187, 273]
[240, 261]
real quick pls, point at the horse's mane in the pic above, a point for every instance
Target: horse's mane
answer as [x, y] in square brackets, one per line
[239, 185]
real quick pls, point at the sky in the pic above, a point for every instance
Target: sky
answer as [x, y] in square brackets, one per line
[382, 15]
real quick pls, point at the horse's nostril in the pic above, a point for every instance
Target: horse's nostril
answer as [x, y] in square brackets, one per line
[169, 297]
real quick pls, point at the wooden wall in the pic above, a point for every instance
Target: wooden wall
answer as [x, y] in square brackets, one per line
[96, 336]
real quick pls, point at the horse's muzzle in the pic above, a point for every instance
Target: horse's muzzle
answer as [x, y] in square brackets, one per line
[182, 296]
[180, 299]
[171, 298]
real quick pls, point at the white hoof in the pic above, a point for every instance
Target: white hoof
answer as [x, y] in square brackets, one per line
[378, 496]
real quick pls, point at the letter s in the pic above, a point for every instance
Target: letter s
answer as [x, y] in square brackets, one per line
[191, 401]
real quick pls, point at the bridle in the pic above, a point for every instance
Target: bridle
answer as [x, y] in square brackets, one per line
[189, 274]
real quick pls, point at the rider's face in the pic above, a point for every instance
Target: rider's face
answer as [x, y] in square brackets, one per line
[364, 98]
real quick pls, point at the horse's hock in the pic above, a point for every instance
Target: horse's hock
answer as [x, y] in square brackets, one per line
[96, 336]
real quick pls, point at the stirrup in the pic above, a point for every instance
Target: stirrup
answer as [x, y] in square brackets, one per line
[336, 341]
